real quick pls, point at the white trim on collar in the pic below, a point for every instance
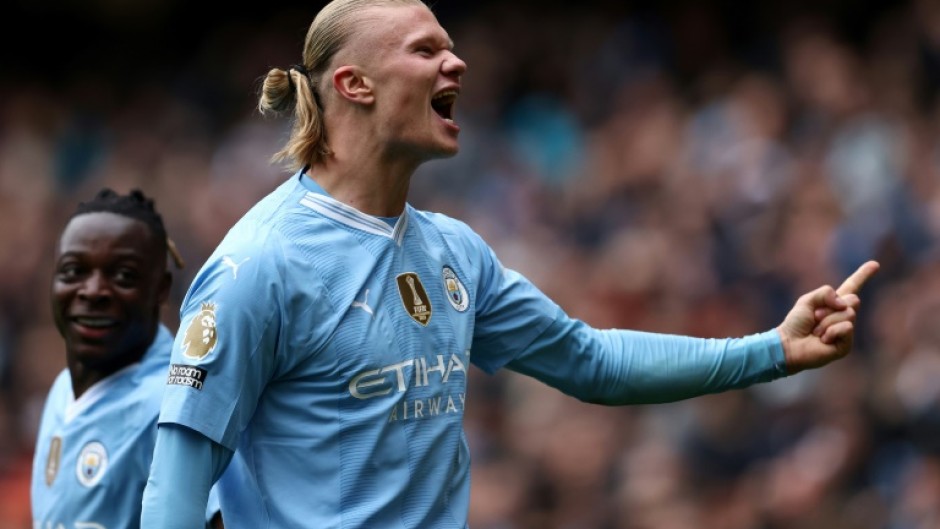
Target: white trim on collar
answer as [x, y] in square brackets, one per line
[333, 209]
[93, 394]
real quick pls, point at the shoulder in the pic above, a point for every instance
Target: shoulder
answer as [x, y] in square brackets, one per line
[158, 354]
[143, 394]
[250, 258]
[281, 227]
[60, 393]
[464, 242]
[62, 383]
[453, 230]
[266, 222]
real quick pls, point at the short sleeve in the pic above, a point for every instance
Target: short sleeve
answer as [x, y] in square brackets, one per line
[224, 352]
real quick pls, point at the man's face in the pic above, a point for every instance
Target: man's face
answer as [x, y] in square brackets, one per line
[107, 288]
[416, 79]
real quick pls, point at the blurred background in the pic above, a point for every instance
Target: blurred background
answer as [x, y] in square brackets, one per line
[683, 167]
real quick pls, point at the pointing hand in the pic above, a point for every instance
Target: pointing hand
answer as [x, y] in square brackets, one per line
[820, 327]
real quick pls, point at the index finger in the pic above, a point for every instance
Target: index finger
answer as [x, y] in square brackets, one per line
[858, 278]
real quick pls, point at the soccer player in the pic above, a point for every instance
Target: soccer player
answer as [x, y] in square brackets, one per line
[98, 427]
[324, 345]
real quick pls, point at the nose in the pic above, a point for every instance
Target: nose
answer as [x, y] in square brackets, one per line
[95, 288]
[453, 65]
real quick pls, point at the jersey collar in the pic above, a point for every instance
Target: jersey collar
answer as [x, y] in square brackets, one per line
[75, 407]
[333, 209]
[159, 351]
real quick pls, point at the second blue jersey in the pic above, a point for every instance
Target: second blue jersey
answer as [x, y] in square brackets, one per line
[93, 454]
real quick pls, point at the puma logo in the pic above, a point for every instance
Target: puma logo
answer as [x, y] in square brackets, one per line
[227, 261]
[364, 304]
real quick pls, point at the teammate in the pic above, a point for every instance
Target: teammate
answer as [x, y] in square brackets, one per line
[98, 427]
[327, 339]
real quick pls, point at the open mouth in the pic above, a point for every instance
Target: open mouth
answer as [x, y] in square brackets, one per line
[443, 104]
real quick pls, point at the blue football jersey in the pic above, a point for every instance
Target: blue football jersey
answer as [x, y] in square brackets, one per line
[93, 453]
[330, 350]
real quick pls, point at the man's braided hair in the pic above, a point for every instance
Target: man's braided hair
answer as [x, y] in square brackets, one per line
[135, 205]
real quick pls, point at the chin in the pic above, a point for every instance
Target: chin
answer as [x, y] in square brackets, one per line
[427, 151]
[450, 153]
[90, 354]
[446, 150]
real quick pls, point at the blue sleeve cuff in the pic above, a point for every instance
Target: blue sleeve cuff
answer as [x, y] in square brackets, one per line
[769, 345]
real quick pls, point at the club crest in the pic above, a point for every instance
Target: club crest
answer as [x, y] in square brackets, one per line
[414, 297]
[92, 464]
[53, 460]
[201, 337]
[454, 290]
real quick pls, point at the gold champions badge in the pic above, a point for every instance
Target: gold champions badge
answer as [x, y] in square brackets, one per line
[414, 298]
[53, 460]
[201, 337]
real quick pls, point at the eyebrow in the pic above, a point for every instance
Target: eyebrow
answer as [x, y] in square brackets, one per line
[118, 255]
[431, 38]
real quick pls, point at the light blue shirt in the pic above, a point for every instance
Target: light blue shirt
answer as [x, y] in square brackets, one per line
[93, 453]
[330, 349]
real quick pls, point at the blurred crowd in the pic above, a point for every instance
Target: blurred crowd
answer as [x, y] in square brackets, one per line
[645, 173]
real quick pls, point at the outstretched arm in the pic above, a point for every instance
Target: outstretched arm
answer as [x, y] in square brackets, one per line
[820, 327]
[630, 367]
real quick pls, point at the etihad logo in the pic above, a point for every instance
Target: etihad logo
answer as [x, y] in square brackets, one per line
[414, 297]
[428, 407]
[414, 373]
[201, 337]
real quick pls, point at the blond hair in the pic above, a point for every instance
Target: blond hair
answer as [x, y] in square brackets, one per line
[298, 87]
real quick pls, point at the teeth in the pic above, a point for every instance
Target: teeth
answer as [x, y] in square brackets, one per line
[443, 104]
[95, 322]
[445, 94]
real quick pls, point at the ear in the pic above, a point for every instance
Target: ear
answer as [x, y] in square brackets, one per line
[350, 83]
[163, 290]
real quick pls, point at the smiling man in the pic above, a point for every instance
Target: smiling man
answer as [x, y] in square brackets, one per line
[98, 427]
[329, 373]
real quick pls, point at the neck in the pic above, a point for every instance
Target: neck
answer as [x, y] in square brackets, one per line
[84, 376]
[85, 373]
[366, 174]
[376, 191]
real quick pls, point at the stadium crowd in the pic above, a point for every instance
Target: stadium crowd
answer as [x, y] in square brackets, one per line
[646, 172]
